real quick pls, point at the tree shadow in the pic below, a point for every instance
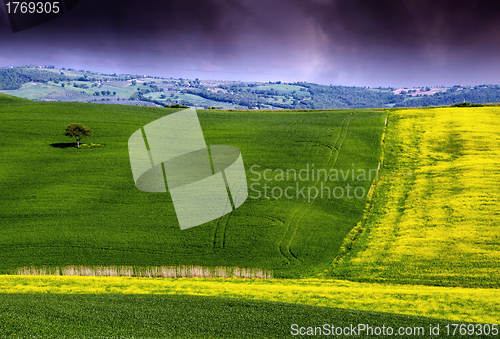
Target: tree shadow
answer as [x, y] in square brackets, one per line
[64, 145]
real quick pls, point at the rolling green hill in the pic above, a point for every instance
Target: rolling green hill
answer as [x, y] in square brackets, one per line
[66, 206]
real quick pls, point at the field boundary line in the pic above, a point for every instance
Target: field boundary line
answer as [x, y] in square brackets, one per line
[359, 229]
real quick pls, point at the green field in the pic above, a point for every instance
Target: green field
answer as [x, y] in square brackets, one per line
[423, 242]
[68, 206]
[150, 316]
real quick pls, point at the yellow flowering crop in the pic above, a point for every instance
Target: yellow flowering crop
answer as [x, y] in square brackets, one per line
[454, 303]
[436, 213]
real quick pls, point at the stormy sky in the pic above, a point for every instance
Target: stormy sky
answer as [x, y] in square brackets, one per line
[342, 42]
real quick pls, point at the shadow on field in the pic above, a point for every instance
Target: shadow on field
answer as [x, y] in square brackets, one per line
[64, 145]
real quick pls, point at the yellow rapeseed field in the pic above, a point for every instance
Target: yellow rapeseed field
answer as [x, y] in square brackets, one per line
[436, 213]
[453, 303]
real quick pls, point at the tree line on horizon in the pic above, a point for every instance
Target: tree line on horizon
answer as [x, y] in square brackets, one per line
[249, 95]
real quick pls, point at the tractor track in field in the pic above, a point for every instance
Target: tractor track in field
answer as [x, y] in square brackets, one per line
[288, 134]
[220, 231]
[284, 245]
[219, 238]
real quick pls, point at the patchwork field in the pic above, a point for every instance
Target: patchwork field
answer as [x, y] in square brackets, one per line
[319, 214]
[436, 211]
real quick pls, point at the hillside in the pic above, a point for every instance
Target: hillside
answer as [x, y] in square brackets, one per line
[51, 84]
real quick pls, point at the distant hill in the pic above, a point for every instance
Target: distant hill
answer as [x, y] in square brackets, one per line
[51, 84]
[14, 78]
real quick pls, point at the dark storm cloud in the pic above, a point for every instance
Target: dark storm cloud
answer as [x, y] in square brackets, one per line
[398, 24]
[218, 24]
[331, 41]
[406, 24]
[420, 42]
[209, 35]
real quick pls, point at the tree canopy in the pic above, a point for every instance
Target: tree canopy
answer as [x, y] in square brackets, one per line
[77, 131]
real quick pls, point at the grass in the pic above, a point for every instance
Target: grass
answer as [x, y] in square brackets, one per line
[436, 212]
[68, 206]
[171, 316]
[452, 303]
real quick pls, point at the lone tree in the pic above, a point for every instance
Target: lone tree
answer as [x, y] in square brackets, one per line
[77, 131]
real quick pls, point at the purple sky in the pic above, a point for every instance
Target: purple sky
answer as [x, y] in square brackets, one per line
[342, 42]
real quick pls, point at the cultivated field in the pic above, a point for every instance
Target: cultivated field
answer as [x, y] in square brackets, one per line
[452, 303]
[431, 218]
[436, 211]
[173, 316]
[64, 206]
